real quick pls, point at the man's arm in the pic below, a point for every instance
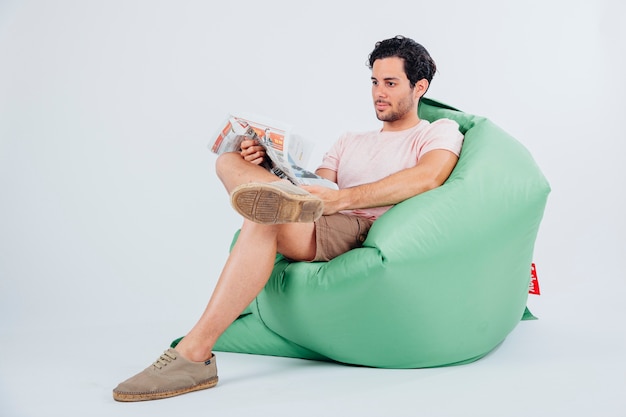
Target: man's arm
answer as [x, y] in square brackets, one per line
[432, 170]
[329, 174]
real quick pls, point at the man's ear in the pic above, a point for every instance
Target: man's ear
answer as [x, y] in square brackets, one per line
[420, 88]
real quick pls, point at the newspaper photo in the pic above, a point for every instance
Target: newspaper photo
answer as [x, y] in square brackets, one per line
[286, 153]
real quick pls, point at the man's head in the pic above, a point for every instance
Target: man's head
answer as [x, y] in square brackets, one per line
[418, 63]
[401, 73]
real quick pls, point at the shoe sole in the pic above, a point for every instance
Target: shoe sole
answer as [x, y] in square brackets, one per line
[132, 397]
[266, 204]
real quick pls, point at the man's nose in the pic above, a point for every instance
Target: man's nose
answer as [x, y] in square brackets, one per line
[379, 91]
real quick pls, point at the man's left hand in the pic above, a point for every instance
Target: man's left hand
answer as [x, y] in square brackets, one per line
[330, 197]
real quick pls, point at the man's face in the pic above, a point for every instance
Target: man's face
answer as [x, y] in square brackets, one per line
[391, 90]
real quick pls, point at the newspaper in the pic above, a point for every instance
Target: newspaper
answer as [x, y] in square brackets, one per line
[285, 152]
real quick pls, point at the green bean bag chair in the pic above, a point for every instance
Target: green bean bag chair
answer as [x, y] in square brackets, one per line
[441, 279]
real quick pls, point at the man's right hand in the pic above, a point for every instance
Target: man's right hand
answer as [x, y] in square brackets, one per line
[252, 152]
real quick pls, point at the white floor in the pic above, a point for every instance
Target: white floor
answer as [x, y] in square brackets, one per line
[567, 363]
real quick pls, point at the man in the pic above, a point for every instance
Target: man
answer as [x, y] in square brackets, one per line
[373, 170]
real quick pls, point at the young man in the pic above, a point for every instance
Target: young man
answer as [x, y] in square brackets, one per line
[373, 170]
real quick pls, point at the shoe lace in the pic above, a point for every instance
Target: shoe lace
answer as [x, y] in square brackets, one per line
[164, 359]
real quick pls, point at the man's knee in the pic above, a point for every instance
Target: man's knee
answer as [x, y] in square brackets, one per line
[224, 163]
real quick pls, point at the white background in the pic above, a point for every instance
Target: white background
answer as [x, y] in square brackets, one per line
[113, 226]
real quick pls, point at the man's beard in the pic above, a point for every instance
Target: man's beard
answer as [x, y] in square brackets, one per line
[404, 107]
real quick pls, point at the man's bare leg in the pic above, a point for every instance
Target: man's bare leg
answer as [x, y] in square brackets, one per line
[233, 171]
[246, 272]
[191, 366]
[249, 264]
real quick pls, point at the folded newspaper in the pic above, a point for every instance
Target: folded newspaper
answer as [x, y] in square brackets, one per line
[285, 152]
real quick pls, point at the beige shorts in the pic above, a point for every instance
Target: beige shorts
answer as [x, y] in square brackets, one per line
[338, 233]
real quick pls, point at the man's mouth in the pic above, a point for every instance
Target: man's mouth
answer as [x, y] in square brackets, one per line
[381, 105]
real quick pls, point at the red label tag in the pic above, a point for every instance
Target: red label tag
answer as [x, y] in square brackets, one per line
[533, 286]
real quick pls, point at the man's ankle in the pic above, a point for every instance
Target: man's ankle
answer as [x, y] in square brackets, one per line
[195, 352]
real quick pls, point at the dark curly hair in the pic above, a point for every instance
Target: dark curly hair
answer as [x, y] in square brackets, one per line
[418, 64]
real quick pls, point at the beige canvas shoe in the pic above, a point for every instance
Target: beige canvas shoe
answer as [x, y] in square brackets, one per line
[170, 375]
[276, 202]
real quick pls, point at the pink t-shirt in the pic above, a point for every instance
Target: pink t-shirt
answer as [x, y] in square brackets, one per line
[361, 158]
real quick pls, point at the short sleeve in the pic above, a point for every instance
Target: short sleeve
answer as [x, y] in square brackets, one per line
[333, 156]
[443, 134]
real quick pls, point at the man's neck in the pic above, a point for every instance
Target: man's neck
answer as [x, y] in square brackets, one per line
[402, 124]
